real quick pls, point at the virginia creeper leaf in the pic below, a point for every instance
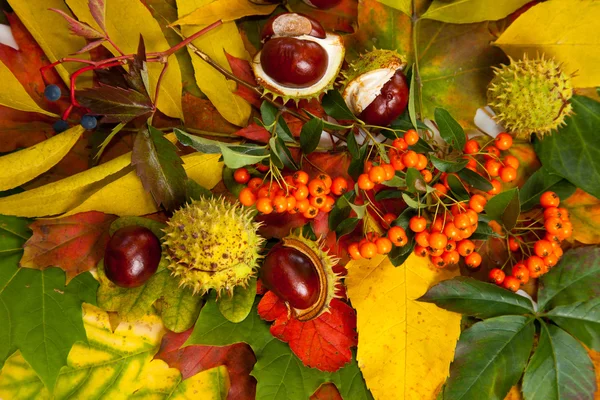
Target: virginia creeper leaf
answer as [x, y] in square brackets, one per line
[79, 28]
[469, 296]
[115, 104]
[575, 278]
[160, 168]
[490, 358]
[74, 244]
[581, 320]
[559, 369]
[98, 11]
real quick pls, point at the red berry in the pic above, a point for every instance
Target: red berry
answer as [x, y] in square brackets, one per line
[504, 141]
[549, 199]
[497, 276]
[511, 283]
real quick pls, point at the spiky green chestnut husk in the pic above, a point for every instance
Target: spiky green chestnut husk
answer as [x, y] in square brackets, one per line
[373, 60]
[530, 96]
[212, 244]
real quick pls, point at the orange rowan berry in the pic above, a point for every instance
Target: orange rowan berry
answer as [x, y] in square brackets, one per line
[477, 203]
[438, 240]
[397, 163]
[542, 248]
[497, 276]
[535, 265]
[246, 197]
[564, 214]
[491, 153]
[389, 218]
[451, 257]
[554, 226]
[301, 206]
[339, 186]
[422, 238]
[365, 183]
[397, 235]
[353, 251]
[241, 175]
[329, 204]
[390, 172]
[384, 245]
[471, 147]
[503, 141]
[280, 204]
[511, 283]
[511, 161]
[473, 260]
[438, 261]
[520, 272]
[264, 205]
[465, 247]
[368, 250]
[513, 244]
[300, 177]
[441, 190]
[410, 159]
[435, 252]
[462, 221]
[558, 252]
[427, 176]
[450, 246]
[254, 184]
[550, 260]
[451, 231]
[291, 203]
[492, 167]
[316, 187]
[367, 167]
[400, 144]
[417, 224]
[411, 137]
[508, 174]
[377, 174]
[496, 187]
[549, 199]
[552, 212]
[437, 225]
[326, 179]
[300, 192]
[420, 251]
[317, 201]
[421, 162]
[310, 212]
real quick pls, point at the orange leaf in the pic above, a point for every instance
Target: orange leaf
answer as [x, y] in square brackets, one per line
[201, 114]
[75, 243]
[190, 360]
[324, 342]
[241, 68]
[326, 391]
[584, 211]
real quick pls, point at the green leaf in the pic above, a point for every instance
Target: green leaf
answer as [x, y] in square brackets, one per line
[275, 158]
[483, 300]
[155, 226]
[232, 186]
[504, 208]
[268, 113]
[39, 314]
[559, 369]
[457, 188]
[482, 232]
[490, 358]
[412, 112]
[196, 192]
[346, 226]
[236, 159]
[341, 210]
[330, 125]
[396, 182]
[475, 180]
[469, 11]
[237, 307]
[450, 130]
[178, 306]
[115, 104]
[352, 146]
[160, 168]
[404, 218]
[411, 202]
[573, 152]
[448, 166]
[108, 139]
[412, 176]
[198, 143]
[389, 194]
[357, 164]
[311, 134]
[283, 153]
[280, 374]
[575, 278]
[334, 105]
[541, 181]
[581, 319]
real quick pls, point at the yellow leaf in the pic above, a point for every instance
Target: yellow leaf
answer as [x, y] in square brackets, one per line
[126, 195]
[584, 212]
[566, 30]
[224, 10]
[218, 89]
[14, 95]
[469, 11]
[125, 21]
[405, 6]
[24, 165]
[113, 365]
[404, 347]
[51, 31]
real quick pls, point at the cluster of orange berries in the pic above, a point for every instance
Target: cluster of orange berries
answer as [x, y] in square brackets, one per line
[297, 194]
[400, 158]
[545, 251]
[496, 168]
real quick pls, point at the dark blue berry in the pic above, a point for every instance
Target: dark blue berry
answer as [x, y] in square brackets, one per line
[89, 122]
[60, 126]
[52, 92]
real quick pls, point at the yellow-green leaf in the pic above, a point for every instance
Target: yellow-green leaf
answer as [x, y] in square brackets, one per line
[14, 95]
[115, 365]
[126, 195]
[403, 5]
[469, 11]
[566, 30]
[404, 346]
[24, 165]
[51, 31]
[126, 20]
[214, 43]
[226, 11]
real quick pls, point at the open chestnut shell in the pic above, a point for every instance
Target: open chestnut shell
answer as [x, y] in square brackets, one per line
[389, 104]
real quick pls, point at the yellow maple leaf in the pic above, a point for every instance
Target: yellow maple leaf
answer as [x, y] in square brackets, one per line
[566, 30]
[224, 10]
[113, 365]
[225, 38]
[126, 20]
[404, 346]
[24, 165]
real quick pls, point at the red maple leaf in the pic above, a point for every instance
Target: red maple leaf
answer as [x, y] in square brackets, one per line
[254, 132]
[75, 243]
[324, 342]
[242, 69]
[238, 358]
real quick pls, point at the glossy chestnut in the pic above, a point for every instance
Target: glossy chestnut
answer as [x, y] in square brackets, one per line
[294, 63]
[389, 104]
[292, 276]
[131, 256]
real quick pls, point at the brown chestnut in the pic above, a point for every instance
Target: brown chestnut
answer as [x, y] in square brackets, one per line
[293, 62]
[131, 256]
[389, 104]
[292, 276]
[292, 25]
[322, 4]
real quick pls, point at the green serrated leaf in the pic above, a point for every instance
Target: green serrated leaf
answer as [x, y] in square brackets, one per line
[311, 135]
[581, 319]
[411, 202]
[457, 188]
[160, 168]
[346, 226]
[559, 369]
[504, 208]
[272, 120]
[475, 180]
[573, 152]
[450, 130]
[448, 166]
[237, 307]
[357, 164]
[155, 226]
[483, 300]
[490, 358]
[541, 181]
[575, 278]
[352, 146]
[334, 105]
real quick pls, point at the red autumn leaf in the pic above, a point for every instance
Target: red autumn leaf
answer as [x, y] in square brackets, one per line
[75, 243]
[238, 358]
[324, 342]
[201, 114]
[242, 69]
[334, 164]
[254, 132]
[279, 225]
[326, 391]
[320, 224]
